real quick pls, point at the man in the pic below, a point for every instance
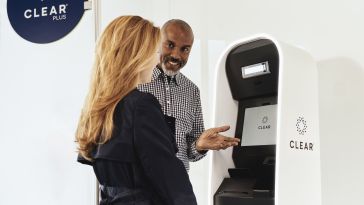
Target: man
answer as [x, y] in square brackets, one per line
[180, 97]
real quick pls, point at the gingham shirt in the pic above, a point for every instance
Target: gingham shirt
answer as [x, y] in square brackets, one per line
[180, 99]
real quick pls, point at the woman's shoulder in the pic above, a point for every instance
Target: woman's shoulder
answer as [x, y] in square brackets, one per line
[138, 98]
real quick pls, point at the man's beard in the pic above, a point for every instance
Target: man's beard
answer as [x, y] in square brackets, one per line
[169, 72]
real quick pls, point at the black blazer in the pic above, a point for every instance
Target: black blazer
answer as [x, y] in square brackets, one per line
[139, 165]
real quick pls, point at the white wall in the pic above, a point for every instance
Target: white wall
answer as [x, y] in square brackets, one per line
[341, 97]
[42, 89]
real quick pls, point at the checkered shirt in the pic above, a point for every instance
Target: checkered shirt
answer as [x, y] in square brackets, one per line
[180, 99]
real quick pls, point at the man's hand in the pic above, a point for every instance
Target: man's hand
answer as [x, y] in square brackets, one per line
[212, 140]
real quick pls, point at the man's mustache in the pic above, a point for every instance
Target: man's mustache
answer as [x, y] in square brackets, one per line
[174, 60]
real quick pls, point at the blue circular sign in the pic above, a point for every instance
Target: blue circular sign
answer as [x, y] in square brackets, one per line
[44, 21]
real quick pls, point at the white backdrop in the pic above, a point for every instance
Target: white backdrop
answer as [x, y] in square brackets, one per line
[43, 87]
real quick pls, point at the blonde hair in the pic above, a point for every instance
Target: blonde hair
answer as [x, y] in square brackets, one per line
[124, 49]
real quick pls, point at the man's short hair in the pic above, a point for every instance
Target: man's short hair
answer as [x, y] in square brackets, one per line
[182, 24]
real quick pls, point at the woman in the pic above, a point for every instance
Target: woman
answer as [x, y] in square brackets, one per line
[122, 132]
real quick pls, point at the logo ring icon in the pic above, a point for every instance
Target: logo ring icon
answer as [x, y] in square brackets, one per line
[301, 126]
[265, 119]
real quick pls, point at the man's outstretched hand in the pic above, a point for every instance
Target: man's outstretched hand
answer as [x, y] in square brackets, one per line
[211, 139]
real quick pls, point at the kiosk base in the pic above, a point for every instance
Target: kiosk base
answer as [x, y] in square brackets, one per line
[241, 191]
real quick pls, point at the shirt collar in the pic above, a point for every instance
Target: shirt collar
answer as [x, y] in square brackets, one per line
[157, 72]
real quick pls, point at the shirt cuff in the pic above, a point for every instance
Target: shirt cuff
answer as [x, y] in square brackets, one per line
[197, 153]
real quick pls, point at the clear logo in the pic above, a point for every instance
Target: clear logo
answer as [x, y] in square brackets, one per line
[44, 21]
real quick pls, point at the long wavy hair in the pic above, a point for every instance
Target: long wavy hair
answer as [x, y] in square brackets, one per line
[124, 49]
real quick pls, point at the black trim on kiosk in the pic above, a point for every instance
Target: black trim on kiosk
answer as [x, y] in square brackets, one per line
[252, 181]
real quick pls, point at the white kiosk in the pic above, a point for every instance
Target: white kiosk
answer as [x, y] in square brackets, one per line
[266, 91]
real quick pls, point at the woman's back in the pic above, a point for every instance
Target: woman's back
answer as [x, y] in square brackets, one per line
[138, 164]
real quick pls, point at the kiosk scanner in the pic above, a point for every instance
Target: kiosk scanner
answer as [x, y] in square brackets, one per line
[272, 102]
